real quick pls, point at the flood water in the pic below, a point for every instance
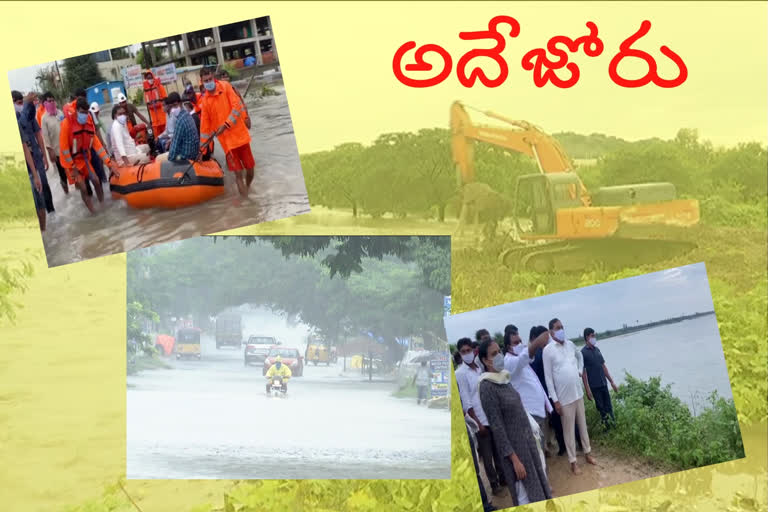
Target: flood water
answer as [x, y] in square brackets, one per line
[687, 355]
[278, 191]
[211, 419]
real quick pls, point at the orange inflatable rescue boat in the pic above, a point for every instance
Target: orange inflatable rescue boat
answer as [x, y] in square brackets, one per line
[167, 184]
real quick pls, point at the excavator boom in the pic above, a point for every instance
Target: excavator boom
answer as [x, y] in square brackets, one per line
[523, 138]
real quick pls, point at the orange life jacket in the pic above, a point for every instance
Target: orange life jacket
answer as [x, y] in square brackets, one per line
[220, 106]
[152, 92]
[80, 136]
[40, 112]
[69, 108]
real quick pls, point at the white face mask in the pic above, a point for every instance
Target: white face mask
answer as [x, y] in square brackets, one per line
[519, 348]
[593, 342]
[18, 107]
[468, 358]
[498, 362]
[560, 335]
[122, 119]
[175, 111]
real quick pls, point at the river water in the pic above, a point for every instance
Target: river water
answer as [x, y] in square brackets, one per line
[211, 419]
[278, 191]
[687, 355]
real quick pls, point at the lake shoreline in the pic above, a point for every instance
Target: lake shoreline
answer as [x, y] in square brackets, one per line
[581, 343]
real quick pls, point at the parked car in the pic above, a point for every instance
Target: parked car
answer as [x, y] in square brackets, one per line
[290, 356]
[257, 348]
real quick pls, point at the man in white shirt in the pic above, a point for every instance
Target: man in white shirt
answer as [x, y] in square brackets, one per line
[123, 147]
[50, 126]
[467, 376]
[517, 361]
[421, 380]
[563, 366]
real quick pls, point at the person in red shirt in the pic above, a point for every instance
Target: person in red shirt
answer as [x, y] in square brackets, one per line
[222, 116]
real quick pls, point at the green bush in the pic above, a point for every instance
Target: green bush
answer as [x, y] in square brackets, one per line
[652, 423]
[717, 210]
[138, 98]
[16, 201]
[234, 74]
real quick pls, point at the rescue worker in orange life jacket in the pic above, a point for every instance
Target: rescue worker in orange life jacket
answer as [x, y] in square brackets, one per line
[222, 117]
[154, 94]
[76, 140]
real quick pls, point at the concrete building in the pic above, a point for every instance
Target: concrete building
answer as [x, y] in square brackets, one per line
[215, 46]
[111, 62]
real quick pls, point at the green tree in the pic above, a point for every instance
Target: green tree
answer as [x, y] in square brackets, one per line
[380, 292]
[744, 168]
[432, 253]
[436, 176]
[47, 82]
[136, 315]
[81, 72]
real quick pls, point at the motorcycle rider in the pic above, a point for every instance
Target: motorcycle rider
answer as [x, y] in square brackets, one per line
[281, 370]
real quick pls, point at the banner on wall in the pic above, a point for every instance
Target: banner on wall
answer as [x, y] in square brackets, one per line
[132, 76]
[166, 73]
[441, 373]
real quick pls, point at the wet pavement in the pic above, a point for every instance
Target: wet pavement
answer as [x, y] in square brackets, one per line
[278, 191]
[212, 419]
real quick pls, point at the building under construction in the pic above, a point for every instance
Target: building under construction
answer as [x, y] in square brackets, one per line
[231, 44]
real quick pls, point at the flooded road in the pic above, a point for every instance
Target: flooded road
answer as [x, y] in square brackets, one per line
[277, 191]
[211, 419]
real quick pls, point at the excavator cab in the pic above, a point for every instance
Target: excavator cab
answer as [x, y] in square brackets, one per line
[539, 196]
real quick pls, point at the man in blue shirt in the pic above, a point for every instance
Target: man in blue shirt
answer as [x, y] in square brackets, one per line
[595, 375]
[32, 137]
[185, 143]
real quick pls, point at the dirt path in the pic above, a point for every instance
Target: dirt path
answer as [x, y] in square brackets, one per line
[611, 469]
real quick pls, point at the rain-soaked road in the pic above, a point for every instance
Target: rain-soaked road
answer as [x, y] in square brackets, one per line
[212, 420]
[278, 191]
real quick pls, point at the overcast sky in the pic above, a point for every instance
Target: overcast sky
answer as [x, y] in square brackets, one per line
[656, 296]
[23, 79]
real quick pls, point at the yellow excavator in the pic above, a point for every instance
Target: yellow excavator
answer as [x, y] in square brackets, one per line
[558, 223]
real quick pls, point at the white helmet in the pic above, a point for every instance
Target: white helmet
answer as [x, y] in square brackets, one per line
[94, 107]
[121, 98]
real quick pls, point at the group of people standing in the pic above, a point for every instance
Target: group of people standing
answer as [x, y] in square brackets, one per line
[518, 396]
[181, 127]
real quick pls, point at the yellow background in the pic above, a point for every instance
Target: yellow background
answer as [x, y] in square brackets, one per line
[62, 366]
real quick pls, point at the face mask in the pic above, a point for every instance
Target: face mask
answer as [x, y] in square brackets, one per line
[593, 342]
[498, 362]
[175, 111]
[50, 107]
[560, 335]
[519, 348]
[122, 119]
[82, 118]
[18, 107]
[210, 85]
[468, 358]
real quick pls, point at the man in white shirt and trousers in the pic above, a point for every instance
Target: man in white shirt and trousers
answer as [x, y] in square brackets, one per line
[563, 366]
[517, 361]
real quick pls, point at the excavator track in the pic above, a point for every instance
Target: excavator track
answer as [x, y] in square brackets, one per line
[576, 256]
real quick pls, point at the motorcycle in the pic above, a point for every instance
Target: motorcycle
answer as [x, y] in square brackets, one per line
[276, 388]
